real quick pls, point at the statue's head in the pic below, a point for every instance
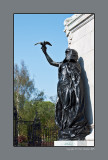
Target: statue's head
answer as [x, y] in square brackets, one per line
[71, 54]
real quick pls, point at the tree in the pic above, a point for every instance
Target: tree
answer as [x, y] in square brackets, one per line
[46, 114]
[27, 105]
[39, 96]
[45, 110]
[53, 99]
[23, 86]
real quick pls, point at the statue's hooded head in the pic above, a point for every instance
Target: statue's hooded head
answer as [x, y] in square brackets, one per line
[71, 55]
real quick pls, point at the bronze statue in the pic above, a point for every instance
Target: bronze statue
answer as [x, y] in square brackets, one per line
[69, 114]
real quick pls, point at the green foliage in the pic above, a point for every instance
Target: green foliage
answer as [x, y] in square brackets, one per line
[27, 112]
[39, 96]
[45, 110]
[23, 90]
[24, 87]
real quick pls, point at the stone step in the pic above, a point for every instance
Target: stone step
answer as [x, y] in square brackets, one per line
[74, 143]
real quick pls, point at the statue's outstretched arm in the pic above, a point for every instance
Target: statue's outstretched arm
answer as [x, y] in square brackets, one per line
[49, 58]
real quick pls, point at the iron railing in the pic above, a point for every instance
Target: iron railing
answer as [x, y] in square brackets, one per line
[32, 133]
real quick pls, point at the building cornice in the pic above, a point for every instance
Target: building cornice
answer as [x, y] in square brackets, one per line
[76, 21]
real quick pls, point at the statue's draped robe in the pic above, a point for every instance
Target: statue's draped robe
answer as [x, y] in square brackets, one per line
[70, 101]
[70, 106]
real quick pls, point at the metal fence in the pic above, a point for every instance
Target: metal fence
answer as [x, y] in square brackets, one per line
[31, 133]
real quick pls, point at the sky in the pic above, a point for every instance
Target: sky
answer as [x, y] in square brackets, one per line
[30, 29]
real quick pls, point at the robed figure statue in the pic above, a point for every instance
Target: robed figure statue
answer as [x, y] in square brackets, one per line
[69, 113]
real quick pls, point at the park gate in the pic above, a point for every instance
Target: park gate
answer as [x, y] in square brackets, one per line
[34, 133]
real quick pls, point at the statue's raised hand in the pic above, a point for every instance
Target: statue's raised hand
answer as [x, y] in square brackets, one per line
[44, 48]
[44, 45]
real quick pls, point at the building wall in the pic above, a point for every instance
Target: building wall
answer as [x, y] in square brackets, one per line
[80, 33]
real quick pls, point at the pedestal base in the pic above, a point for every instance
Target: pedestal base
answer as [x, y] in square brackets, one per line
[74, 143]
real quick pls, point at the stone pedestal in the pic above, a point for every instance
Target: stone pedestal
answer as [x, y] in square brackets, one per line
[74, 143]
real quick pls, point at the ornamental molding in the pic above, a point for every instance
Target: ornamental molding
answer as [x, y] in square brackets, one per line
[76, 21]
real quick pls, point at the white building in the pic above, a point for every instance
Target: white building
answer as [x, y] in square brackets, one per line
[80, 33]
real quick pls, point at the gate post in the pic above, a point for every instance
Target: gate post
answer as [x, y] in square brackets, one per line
[15, 127]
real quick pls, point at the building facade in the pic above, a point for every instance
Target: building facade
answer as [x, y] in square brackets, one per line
[79, 30]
